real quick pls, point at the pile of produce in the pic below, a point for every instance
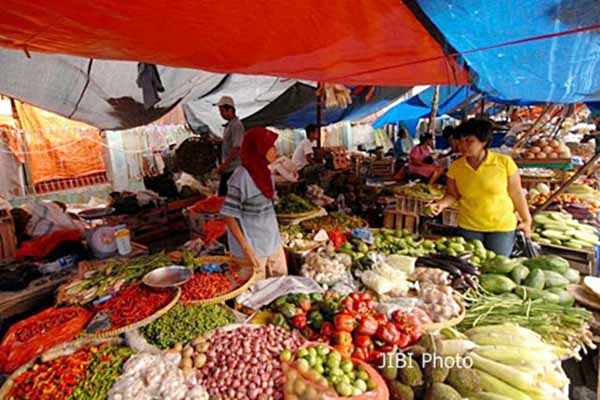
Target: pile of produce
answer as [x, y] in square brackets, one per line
[244, 363]
[102, 372]
[30, 337]
[294, 238]
[402, 242]
[131, 305]
[563, 326]
[352, 326]
[545, 277]
[438, 303]
[113, 275]
[149, 376]
[293, 204]
[387, 275]
[87, 373]
[422, 191]
[205, 285]
[335, 221]
[493, 362]
[562, 229]
[326, 268]
[544, 149]
[585, 192]
[318, 370]
[460, 272]
[183, 323]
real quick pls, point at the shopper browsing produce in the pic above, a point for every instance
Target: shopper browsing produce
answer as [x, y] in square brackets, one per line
[253, 233]
[487, 187]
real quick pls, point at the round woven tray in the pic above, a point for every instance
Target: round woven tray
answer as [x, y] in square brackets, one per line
[447, 324]
[53, 353]
[246, 273]
[135, 325]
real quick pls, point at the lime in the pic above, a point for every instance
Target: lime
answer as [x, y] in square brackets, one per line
[285, 355]
[319, 368]
[312, 359]
[344, 389]
[356, 391]
[302, 353]
[312, 352]
[302, 365]
[333, 380]
[361, 385]
[323, 350]
[336, 372]
[333, 359]
[362, 374]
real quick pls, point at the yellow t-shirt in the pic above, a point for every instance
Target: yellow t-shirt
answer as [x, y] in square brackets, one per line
[485, 204]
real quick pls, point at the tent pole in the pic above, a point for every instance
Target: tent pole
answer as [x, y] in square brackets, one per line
[531, 130]
[482, 107]
[29, 187]
[568, 183]
[319, 115]
[434, 109]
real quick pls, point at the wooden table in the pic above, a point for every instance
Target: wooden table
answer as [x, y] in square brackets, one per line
[14, 303]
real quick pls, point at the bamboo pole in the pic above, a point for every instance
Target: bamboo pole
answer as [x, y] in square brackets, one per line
[434, 109]
[531, 130]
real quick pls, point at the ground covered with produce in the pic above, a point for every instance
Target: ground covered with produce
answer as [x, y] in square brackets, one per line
[368, 313]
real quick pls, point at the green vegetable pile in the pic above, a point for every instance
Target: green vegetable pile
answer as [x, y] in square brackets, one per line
[110, 277]
[329, 369]
[563, 326]
[183, 323]
[559, 228]
[402, 242]
[104, 370]
[545, 277]
[293, 204]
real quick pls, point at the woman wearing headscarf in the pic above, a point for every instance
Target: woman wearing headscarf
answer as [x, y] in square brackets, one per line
[253, 232]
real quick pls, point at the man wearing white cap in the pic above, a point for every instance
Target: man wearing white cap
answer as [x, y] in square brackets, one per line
[232, 141]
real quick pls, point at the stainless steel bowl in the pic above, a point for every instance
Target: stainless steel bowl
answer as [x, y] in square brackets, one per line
[166, 277]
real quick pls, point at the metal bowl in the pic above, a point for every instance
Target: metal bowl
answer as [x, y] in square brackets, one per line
[165, 277]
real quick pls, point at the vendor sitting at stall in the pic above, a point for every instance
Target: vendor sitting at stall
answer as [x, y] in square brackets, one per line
[422, 162]
[487, 187]
[253, 232]
[304, 154]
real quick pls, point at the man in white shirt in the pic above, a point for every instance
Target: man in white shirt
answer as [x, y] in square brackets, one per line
[304, 154]
[233, 136]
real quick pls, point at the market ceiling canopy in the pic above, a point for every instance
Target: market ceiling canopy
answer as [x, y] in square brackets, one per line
[354, 42]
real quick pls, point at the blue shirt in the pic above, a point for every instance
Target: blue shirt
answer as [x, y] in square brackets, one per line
[255, 214]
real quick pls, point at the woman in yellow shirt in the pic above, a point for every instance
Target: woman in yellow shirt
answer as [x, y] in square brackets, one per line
[487, 187]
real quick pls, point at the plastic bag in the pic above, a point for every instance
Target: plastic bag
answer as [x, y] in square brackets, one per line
[39, 248]
[268, 290]
[47, 217]
[31, 337]
[305, 385]
[211, 205]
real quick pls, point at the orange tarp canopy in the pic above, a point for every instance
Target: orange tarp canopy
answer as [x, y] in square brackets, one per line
[377, 42]
[58, 148]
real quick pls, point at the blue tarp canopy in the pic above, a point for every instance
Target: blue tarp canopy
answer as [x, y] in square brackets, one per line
[412, 110]
[532, 50]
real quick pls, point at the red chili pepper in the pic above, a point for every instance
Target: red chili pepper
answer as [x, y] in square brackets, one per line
[344, 323]
[380, 318]
[388, 348]
[327, 329]
[367, 326]
[362, 340]
[299, 321]
[205, 286]
[361, 354]
[403, 340]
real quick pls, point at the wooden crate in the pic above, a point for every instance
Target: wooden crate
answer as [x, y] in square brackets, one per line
[382, 168]
[582, 260]
[411, 205]
[8, 237]
[393, 219]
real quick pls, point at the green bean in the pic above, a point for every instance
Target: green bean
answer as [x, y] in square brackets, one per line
[183, 323]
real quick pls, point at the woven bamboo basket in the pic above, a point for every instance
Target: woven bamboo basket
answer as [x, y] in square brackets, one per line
[447, 324]
[288, 217]
[247, 274]
[53, 353]
[136, 325]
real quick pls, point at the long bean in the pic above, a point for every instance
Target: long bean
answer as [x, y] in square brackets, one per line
[564, 326]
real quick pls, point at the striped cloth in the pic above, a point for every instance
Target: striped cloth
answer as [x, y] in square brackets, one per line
[255, 214]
